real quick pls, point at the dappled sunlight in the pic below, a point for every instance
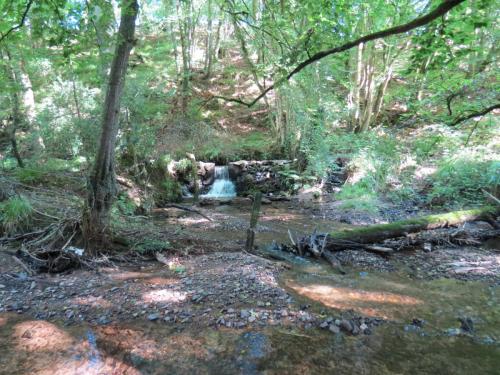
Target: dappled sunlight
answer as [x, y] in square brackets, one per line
[279, 217]
[33, 336]
[155, 345]
[160, 281]
[188, 221]
[371, 303]
[65, 366]
[164, 295]
[424, 172]
[93, 301]
[133, 341]
[129, 275]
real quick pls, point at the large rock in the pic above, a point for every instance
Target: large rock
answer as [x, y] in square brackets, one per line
[206, 171]
[263, 175]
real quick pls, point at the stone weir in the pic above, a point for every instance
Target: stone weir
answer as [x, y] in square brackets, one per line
[247, 175]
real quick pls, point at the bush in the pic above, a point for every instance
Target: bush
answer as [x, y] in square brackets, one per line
[15, 214]
[150, 246]
[460, 181]
[170, 190]
[360, 196]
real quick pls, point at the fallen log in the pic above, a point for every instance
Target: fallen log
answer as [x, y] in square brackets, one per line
[188, 209]
[380, 232]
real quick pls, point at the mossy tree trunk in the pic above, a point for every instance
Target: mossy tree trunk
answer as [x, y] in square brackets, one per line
[102, 189]
[379, 232]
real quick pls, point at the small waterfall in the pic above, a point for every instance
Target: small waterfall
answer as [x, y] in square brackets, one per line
[222, 187]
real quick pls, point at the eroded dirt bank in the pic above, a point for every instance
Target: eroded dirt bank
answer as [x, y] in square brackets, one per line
[226, 312]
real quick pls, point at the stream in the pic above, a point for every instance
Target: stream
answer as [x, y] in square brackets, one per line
[419, 331]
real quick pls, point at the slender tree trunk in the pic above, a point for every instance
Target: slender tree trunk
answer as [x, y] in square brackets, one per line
[75, 98]
[16, 115]
[209, 42]
[184, 36]
[358, 80]
[102, 188]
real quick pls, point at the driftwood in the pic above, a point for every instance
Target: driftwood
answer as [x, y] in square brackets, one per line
[323, 245]
[188, 209]
[380, 232]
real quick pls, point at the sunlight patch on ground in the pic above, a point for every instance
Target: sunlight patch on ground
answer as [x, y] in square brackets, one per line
[92, 301]
[370, 303]
[33, 336]
[127, 275]
[160, 281]
[164, 295]
[279, 217]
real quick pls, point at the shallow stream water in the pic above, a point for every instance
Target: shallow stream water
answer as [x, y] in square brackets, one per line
[436, 346]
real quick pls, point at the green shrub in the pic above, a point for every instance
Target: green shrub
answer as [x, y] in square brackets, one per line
[459, 181]
[360, 196]
[169, 190]
[151, 246]
[15, 214]
[30, 175]
[125, 205]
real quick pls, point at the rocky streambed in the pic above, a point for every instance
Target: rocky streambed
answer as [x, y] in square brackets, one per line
[226, 312]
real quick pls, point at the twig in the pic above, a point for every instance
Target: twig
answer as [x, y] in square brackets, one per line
[291, 238]
[188, 209]
[491, 196]
[24, 266]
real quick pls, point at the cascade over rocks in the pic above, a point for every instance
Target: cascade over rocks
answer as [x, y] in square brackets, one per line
[247, 175]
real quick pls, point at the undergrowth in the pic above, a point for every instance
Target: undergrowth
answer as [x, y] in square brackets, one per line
[15, 214]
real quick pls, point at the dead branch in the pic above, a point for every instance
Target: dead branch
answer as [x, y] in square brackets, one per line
[188, 209]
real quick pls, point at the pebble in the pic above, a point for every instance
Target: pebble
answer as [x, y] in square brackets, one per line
[103, 320]
[153, 317]
[244, 314]
[324, 325]
[333, 328]
[346, 325]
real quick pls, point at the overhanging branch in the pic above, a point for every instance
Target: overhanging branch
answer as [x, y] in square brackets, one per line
[21, 23]
[442, 9]
[475, 114]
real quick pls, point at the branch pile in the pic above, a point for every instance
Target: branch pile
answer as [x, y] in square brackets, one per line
[384, 239]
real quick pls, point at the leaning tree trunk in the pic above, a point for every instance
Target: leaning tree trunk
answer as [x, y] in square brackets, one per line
[102, 188]
[380, 232]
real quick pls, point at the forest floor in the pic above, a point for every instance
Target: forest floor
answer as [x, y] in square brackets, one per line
[212, 308]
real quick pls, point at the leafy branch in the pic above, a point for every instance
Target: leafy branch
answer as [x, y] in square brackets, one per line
[21, 23]
[439, 11]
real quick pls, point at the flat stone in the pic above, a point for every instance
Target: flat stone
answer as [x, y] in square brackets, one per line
[346, 325]
[324, 325]
[153, 317]
[334, 329]
[244, 314]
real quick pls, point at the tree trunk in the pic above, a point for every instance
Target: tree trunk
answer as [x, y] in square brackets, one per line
[16, 115]
[209, 43]
[184, 37]
[379, 232]
[38, 145]
[102, 188]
